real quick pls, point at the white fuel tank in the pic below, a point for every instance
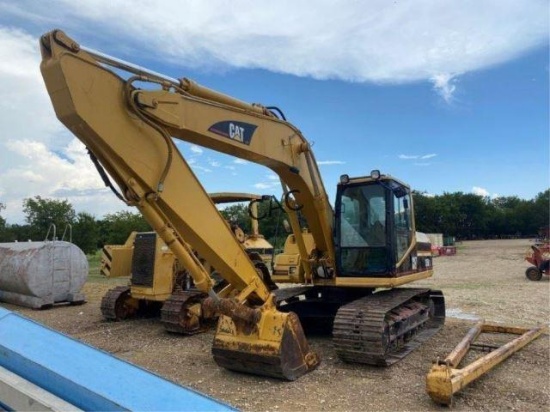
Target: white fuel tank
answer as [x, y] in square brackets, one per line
[39, 274]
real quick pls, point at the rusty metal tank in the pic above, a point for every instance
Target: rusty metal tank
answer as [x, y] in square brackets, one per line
[39, 274]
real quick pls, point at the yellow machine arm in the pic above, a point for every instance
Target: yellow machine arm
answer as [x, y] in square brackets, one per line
[128, 132]
[187, 111]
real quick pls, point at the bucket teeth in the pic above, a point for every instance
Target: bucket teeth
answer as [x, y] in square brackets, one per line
[276, 347]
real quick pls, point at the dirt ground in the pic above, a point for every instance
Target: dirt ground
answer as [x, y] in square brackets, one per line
[484, 280]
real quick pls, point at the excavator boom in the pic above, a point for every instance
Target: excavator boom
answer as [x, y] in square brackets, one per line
[97, 105]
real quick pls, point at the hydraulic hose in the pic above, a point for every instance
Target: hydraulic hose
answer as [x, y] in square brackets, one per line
[104, 176]
[167, 138]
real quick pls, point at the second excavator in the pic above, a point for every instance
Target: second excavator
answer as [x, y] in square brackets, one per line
[158, 282]
[363, 249]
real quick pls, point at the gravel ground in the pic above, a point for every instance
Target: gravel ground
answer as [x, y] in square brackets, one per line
[484, 280]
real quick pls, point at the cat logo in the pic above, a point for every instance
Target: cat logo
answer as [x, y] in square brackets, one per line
[238, 131]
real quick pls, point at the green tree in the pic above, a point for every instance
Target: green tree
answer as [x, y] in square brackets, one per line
[447, 214]
[426, 213]
[3, 229]
[86, 232]
[237, 214]
[272, 215]
[473, 211]
[540, 211]
[12, 233]
[116, 227]
[470, 216]
[41, 213]
[270, 219]
[507, 219]
[466, 216]
[2, 220]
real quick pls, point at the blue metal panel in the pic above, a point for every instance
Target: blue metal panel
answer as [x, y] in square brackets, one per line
[87, 377]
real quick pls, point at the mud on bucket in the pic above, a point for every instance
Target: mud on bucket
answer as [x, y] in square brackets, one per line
[275, 346]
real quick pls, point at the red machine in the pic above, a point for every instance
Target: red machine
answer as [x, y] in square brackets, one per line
[539, 257]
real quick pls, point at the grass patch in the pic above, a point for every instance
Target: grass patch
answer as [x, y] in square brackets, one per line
[94, 262]
[94, 274]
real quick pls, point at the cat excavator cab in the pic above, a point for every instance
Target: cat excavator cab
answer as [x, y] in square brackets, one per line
[364, 249]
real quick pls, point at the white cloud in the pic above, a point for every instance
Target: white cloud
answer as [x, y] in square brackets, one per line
[444, 84]
[414, 157]
[377, 41]
[272, 182]
[198, 168]
[64, 174]
[38, 156]
[196, 149]
[23, 95]
[69, 170]
[261, 185]
[480, 191]
[331, 162]
[240, 161]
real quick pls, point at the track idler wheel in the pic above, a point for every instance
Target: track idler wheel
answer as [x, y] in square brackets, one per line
[261, 341]
[533, 273]
[118, 304]
[126, 307]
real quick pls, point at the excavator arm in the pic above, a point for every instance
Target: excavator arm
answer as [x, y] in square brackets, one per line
[128, 132]
[240, 131]
[187, 111]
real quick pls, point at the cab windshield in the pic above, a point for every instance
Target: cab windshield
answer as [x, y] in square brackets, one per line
[362, 230]
[374, 228]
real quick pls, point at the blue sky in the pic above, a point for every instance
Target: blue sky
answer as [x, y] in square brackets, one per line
[447, 98]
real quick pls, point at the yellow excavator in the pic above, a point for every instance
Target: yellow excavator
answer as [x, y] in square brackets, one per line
[364, 249]
[159, 284]
[116, 260]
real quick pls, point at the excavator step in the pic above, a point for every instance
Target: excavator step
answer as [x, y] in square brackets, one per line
[383, 328]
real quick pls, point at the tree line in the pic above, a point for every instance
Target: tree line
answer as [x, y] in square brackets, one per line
[462, 215]
[88, 232]
[470, 216]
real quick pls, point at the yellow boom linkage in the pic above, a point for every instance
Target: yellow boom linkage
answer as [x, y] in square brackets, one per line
[128, 133]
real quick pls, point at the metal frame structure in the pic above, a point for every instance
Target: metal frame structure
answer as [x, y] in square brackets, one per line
[445, 378]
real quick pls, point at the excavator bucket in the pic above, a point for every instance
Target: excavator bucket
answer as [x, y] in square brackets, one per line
[274, 345]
